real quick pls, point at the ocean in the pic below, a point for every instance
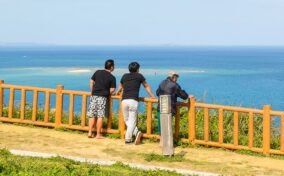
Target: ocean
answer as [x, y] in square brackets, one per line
[237, 76]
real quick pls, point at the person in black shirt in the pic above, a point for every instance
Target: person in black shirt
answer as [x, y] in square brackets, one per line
[170, 87]
[102, 85]
[130, 83]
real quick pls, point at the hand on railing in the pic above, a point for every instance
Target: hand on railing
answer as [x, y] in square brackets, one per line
[119, 92]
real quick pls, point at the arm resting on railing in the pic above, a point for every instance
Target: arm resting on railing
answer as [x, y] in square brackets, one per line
[148, 89]
[120, 87]
[111, 90]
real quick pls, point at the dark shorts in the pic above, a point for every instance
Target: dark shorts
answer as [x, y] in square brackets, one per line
[97, 106]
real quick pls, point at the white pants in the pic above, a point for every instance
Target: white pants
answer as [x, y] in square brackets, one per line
[130, 112]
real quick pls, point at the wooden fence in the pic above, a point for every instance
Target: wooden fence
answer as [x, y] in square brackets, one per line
[193, 106]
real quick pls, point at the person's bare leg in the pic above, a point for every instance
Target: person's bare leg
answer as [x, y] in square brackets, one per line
[99, 128]
[91, 126]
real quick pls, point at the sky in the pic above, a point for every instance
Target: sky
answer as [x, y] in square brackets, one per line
[144, 22]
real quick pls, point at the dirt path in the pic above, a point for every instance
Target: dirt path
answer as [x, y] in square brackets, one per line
[201, 159]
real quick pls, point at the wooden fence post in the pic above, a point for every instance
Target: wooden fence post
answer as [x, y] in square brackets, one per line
[282, 134]
[46, 107]
[109, 120]
[250, 131]
[11, 103]
[191, 120]
[35, 100]
[177, 123]
[121, 120]
[236, 128]
[206, 125]
[84, 110]
[149, 118]
[221, 125]
[59, 103]
[71, 110]
[1, 97]
[266, 129]
[23, 104]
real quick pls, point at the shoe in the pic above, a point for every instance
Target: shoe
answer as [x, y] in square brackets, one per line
[138, 138]
[128, 142]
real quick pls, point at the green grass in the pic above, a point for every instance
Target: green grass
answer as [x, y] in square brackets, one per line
[58, 166]
[251, 153]
[64, 129]
[155, 157]
[113, 136]
[176, 158]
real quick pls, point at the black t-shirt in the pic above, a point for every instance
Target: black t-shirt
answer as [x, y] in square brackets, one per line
[104, 80]
[131, 84]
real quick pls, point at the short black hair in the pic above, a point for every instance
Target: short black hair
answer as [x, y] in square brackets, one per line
[109, 63]
[133, 67]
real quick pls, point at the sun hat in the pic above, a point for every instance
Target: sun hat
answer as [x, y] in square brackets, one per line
[173, 73]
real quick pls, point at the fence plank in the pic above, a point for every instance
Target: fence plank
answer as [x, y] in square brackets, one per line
[191, 119]
[228, 108]
[23, 104]
[266, 129]
[221, 126]
[59, 103]
[250, 130]
[46, 106]
[177, 122]
[35, 99]
[109, 120]
[11, 103]
[236, 128]
[149, 117]
[282, 134]
[71, 110]
[84, 110]
[206, 125]
[28, 88]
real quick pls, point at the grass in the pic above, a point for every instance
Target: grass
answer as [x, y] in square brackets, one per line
[155, 157]
[178, 158]
[251, 153]
[58, 166]
[64, 129]
[113, 136]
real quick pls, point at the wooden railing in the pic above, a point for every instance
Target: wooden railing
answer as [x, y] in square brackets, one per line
[266, 114]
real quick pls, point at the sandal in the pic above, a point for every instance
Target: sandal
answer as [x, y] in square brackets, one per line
[91, 135]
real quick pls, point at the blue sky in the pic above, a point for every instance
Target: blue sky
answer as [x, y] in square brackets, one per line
[144, 22]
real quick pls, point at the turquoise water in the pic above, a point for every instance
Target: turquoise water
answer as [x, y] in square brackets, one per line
[239, 76]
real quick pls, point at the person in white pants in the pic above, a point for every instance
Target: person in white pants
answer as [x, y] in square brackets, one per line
[130, 83]
[130, 112]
